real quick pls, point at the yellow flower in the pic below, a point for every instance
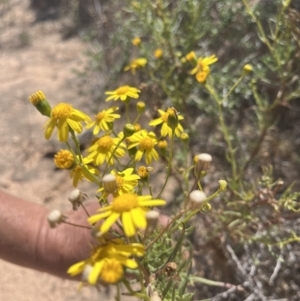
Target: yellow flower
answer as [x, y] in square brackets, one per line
[145, 142]
[136, 41]
[191, 56]
[163, 144]
[38, 99]
[143, 172]
[158, 53]
[125, 180]
[122, 93]
[103, 120]
[104, 149]
[137, 63]
[107, 261]
[131, 208]
[64, 117]
[83, 170]
[165, 129]
[64, 159]
[202, 69]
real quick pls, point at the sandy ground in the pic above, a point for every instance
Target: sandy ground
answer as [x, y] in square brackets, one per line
[34, 57]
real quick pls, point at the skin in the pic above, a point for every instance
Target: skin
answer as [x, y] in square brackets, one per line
[26, 238]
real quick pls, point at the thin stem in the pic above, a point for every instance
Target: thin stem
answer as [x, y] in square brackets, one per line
[75, 225]
[83, 207]
[224, 130]
[169, 164]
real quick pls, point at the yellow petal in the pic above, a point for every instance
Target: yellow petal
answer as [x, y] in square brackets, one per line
[128, 225]
[109, 222]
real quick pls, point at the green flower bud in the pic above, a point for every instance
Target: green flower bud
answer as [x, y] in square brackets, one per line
[128, 130]
[38, 99]
[172, 121]
[222, 185]
[140, 106]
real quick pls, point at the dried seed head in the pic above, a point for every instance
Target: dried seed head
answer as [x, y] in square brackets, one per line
[196, 198]
[109, 183]
[76, 197]
[55, 217]
[202, 163]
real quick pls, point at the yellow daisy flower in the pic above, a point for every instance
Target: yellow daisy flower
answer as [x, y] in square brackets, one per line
[158, 53]
[136, 41]
[191, 56]
[83, 171]
[104, 149]
[135, 64]
[165, 129]
[123, 93]
[131, 208]
[64, 117]
[145, 142]
[202, 69]
[107, 261]
[125, 182]
[103, 120]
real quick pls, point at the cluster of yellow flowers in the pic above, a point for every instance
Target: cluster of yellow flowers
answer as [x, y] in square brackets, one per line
[201, 69]
[126, 207]
[110, 162]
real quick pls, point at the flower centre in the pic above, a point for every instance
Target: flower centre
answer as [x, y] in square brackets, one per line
[105, 143]
[120, 182]
[146, 144]
[112, 271]
[62, 110]
[124, 202]
[64, 159]
[100, 116]
[142, 172]
[122, 90]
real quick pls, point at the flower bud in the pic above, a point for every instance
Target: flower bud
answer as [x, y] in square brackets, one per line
[76, 197]
[140, 107]
[172, 120]
[185, 137]
[38, 99]
[191, 56]
[222, 185]
[55, 217]
[128, 130]
[136, 41]
[109, 183]
[196, 198]
[202, 163]
[158, 53]
[286, 3]
[143, 173]
[163, 144]
[247, 69]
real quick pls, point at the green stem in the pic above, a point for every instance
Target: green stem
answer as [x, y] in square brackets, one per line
[169, 165]
[224, 130]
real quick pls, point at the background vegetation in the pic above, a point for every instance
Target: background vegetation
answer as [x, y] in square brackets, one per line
[246, 247]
